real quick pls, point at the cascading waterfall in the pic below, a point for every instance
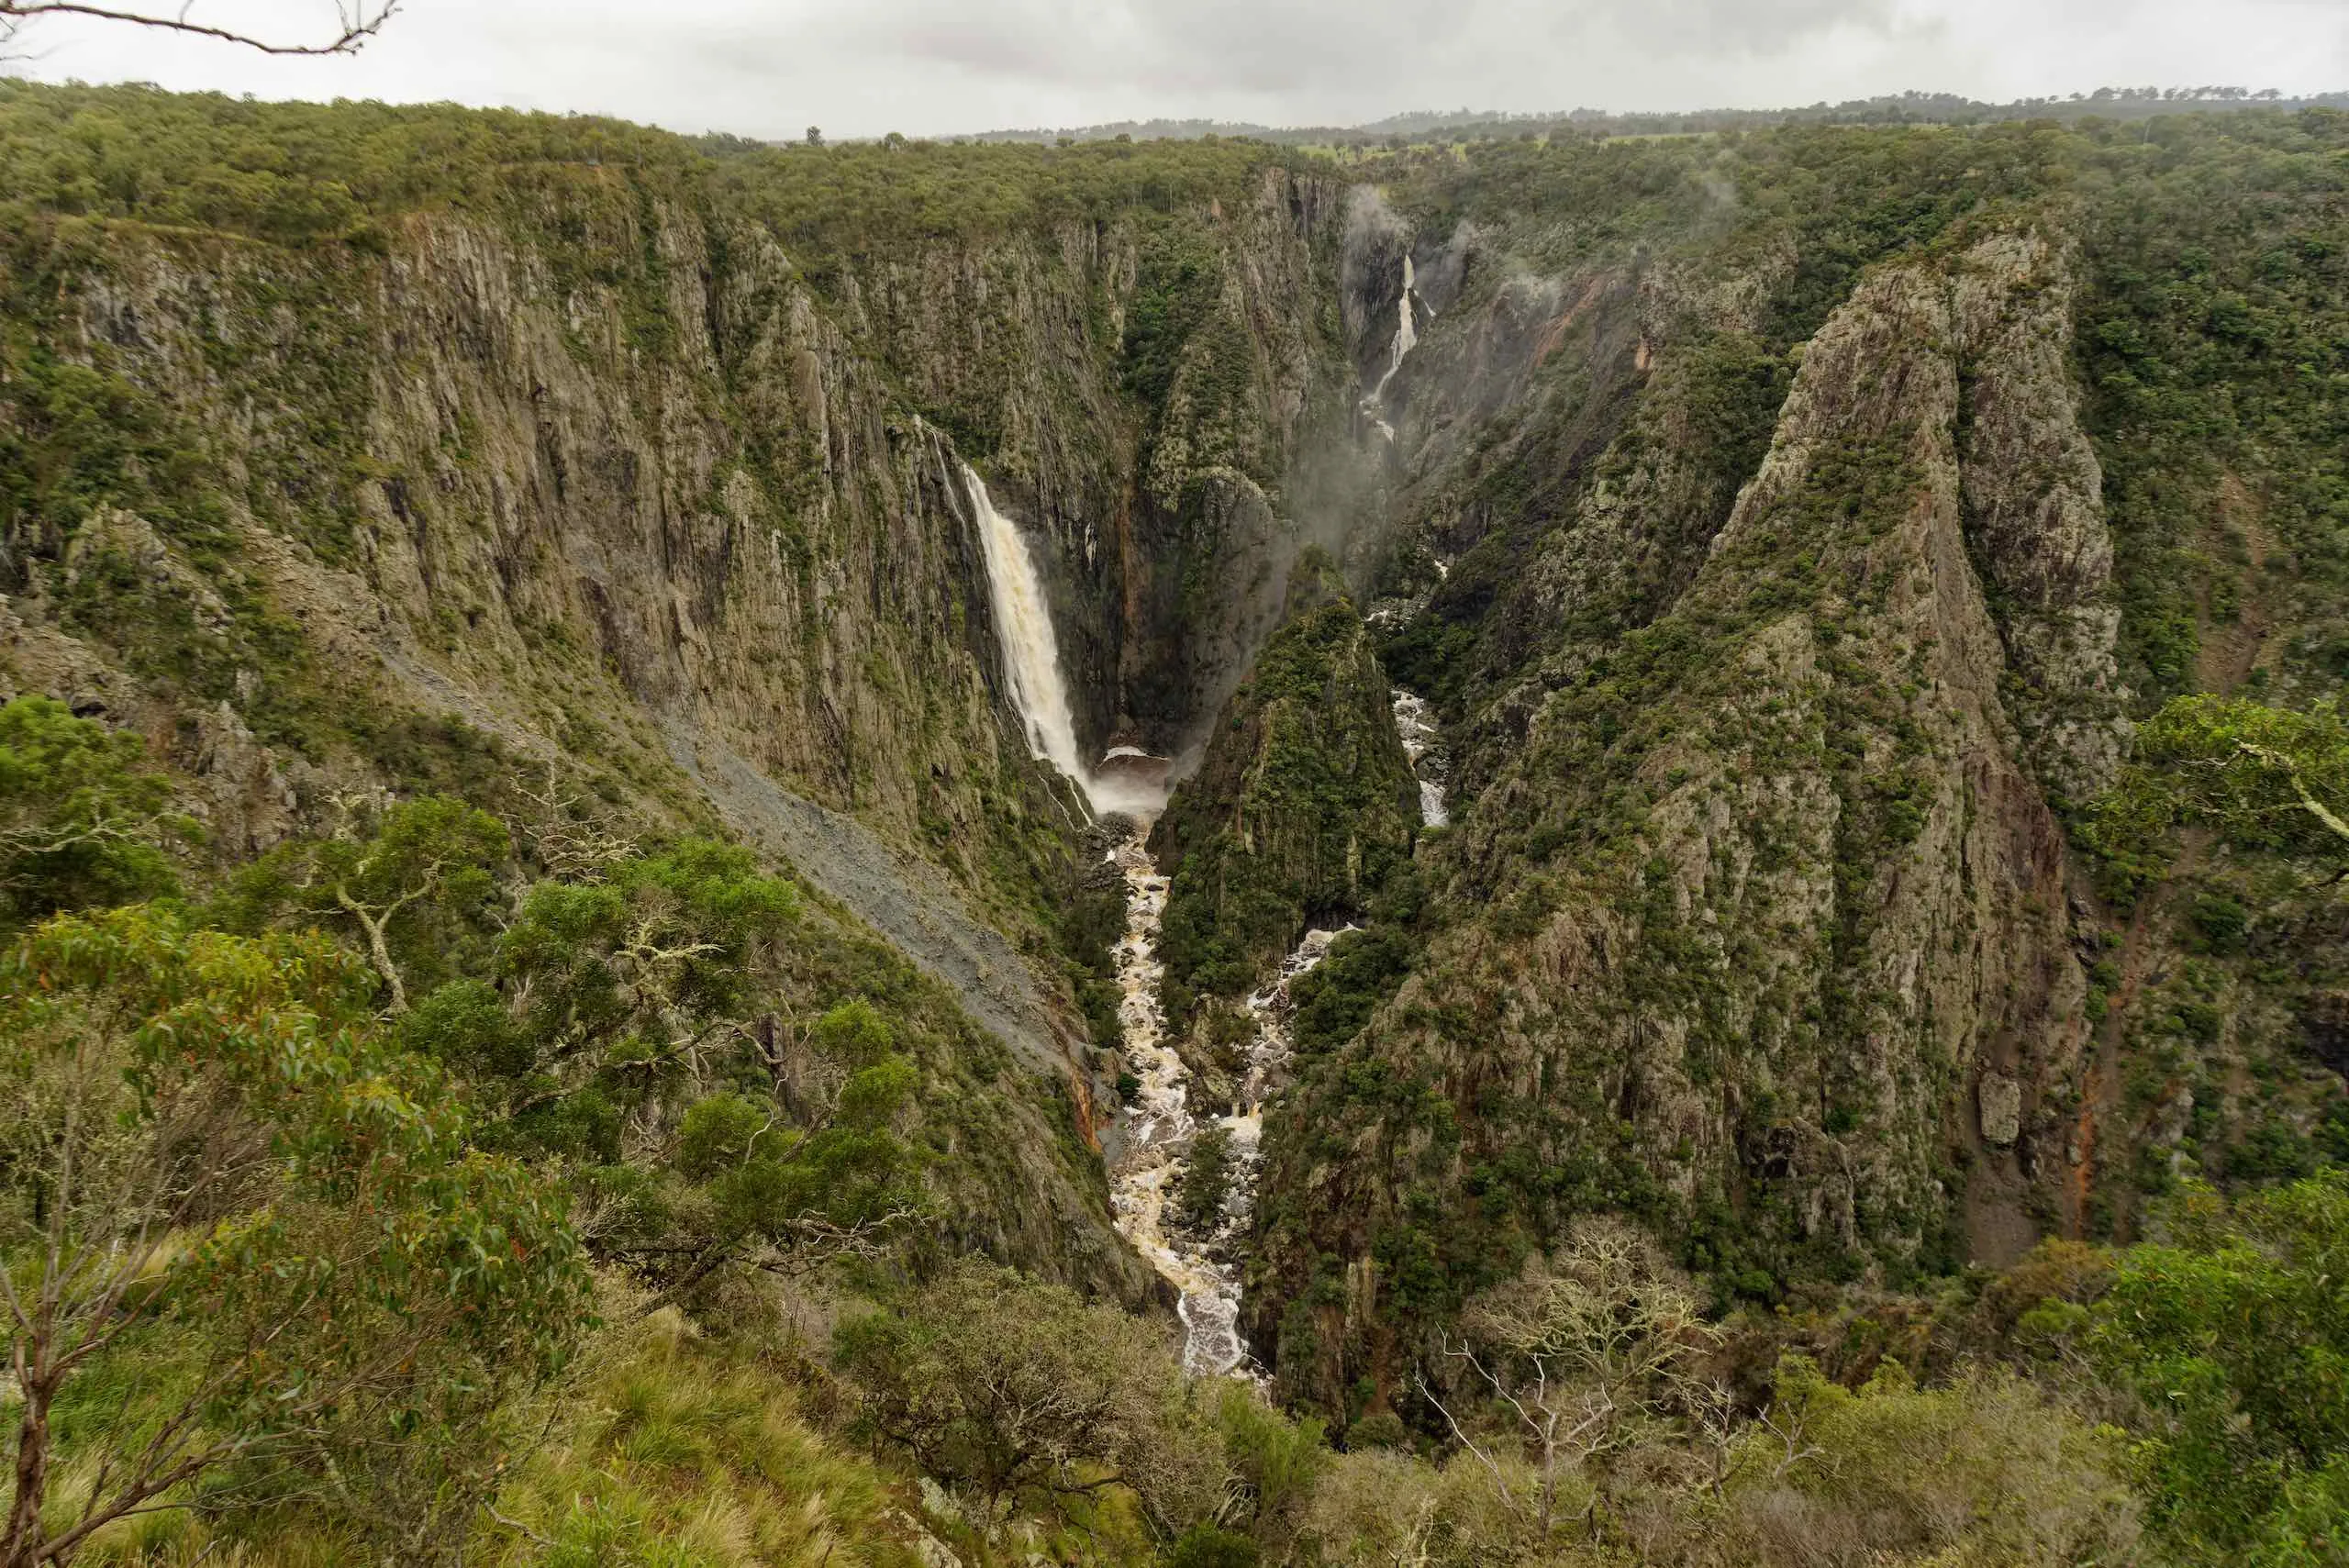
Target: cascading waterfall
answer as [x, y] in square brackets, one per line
[1154, 1152]
[1406, 334]
[1031, 653]
[1416, 726]
[1031, 662]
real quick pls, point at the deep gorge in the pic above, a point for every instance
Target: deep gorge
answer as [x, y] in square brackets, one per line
[1325, 726]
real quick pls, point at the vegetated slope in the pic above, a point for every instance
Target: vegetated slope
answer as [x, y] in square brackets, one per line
[1789, 527]
[352, 448]
[1302, 815]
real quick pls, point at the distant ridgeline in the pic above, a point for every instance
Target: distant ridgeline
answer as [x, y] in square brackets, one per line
[1888, 109]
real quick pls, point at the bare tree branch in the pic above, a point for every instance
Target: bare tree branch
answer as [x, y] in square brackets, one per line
[356, 22]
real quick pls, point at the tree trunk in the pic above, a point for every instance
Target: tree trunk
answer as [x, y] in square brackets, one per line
[379, 948]
[24, 1545]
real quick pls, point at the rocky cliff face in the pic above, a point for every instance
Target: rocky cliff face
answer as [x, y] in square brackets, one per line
[1762, 927]
[1142, 393]
[1775, 527]
[606, 477]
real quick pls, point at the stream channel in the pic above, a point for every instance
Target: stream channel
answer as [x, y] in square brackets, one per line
[1200, 1262]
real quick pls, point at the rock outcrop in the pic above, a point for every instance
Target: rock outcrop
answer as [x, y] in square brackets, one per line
[1769, 898]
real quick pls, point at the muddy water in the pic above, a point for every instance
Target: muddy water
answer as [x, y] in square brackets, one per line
[1201, 1264]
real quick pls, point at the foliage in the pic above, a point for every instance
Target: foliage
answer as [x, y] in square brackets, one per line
[303, 173]
[2234, 1333]
[666, 1451]
[1332, 1000]
[82, 816]
[1379, 1506]
[788, 1198]
[1985, 1469]
[1303, 811]
[1576, 1355]
[413, 882]
[211, 1140]
[1207, 1179]
[2212, 340]
[624, 994]
[2265, 778]
[1007, 1389]
[1275, 1463]
[1207, 1546]
[663, 944]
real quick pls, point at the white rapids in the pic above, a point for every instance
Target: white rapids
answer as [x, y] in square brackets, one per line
[1154, 1152]
[1158, 1130]
[1417, 727]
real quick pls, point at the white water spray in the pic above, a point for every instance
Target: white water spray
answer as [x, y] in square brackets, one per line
[1031, 653]
[1407, 337]
[1031, 662]
[1158, 1130]
[1416, 726]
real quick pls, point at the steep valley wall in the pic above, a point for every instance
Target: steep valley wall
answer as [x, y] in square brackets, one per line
[1770, 526]
[604, 478]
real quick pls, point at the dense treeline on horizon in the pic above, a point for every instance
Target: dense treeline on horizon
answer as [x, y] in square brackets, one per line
[1888, 109]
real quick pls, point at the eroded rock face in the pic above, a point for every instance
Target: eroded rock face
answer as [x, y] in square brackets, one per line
[1173, 539]
[250, 802]
[1762, 897]
[2032, 494]
[606, 476]
[2000, 1101]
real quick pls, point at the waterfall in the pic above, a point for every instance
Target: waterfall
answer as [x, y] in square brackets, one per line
[1031, 661]
[1406, 335]
[1154, 1152]
[1032, 653]
[1417, 727]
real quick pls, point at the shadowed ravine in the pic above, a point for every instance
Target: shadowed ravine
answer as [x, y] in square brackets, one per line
[1152, 1155]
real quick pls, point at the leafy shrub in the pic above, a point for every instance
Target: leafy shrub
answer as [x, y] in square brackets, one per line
[2232, 1334]
[82, 816]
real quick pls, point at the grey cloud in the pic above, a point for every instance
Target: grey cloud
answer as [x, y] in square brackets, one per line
[1388, 48]
[1248, 45]
[1744, 27]
[769, 67]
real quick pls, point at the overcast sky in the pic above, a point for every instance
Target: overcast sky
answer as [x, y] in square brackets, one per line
[770, 68]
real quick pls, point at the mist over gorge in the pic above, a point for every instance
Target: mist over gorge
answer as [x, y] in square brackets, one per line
[1104, 849]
